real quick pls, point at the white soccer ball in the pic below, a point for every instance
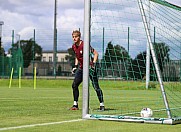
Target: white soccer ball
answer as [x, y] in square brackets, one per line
[146, 112]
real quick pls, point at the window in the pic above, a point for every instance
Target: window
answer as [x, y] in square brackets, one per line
[44, 59]
[50, 59]
[62, 59]
[57, 59]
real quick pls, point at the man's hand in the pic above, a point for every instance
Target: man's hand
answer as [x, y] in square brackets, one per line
[93, 65]
[74, 69]
[92, 68]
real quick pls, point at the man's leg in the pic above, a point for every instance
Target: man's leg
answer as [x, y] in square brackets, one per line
[97, 88]
[75, 85]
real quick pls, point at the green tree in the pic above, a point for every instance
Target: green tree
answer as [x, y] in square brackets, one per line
[71, 57]
[2, 51]
[137, 70]
[115, 54]
[59, 70]
[27, 49]
[139, 63]
[162, 54]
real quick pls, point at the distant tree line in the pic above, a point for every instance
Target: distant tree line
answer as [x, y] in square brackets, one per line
[27, 50]
[134, 68]
[114, 56]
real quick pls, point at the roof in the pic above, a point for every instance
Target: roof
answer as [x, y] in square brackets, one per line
[58, 51]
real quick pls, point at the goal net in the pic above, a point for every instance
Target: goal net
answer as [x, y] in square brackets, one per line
[139, 46]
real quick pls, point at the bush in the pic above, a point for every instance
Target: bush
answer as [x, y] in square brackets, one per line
[152, 85]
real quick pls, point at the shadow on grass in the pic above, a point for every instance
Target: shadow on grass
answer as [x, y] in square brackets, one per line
[106, 109]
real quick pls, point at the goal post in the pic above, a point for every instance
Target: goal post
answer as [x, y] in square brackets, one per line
[87, 15]
[120, 32]
[159, 76]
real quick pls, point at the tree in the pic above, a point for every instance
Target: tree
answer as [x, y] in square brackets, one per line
[71, 57]
[137, 70]
[27, 49]
[109, 55]
[139, 63]
[59, 70]
[162, 54]
[114, 54]
[2, 51]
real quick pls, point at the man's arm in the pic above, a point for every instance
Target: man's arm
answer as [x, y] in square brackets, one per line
[75, 66]
[95, 56]
[76, 61]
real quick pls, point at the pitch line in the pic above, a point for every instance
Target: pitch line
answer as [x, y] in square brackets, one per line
[41, 124]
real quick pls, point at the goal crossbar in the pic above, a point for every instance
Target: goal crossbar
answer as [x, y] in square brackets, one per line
[165, 3]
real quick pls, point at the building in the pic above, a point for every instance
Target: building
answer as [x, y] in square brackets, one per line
[45, 66]
[47, 56]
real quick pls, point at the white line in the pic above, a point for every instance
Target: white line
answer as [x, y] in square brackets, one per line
[42, 124]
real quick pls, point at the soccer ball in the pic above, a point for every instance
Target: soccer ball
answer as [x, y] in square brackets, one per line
[146, 112]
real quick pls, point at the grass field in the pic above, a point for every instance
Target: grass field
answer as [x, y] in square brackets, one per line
[45, 109]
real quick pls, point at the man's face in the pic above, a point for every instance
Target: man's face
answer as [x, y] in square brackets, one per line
[75, 38]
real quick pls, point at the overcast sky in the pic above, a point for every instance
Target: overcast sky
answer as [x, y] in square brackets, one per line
[25, 15]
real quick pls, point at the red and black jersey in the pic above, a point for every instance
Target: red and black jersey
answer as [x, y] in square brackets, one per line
[78, 50]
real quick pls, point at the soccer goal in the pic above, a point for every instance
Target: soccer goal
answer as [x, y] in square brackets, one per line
[139, 45]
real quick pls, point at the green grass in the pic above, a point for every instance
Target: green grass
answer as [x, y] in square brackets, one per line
[50, 102]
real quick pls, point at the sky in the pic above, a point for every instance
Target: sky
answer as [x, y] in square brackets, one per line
[23, 16]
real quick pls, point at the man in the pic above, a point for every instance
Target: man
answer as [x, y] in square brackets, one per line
[78, 70]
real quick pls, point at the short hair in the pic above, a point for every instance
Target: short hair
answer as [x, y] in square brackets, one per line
[76, 32]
